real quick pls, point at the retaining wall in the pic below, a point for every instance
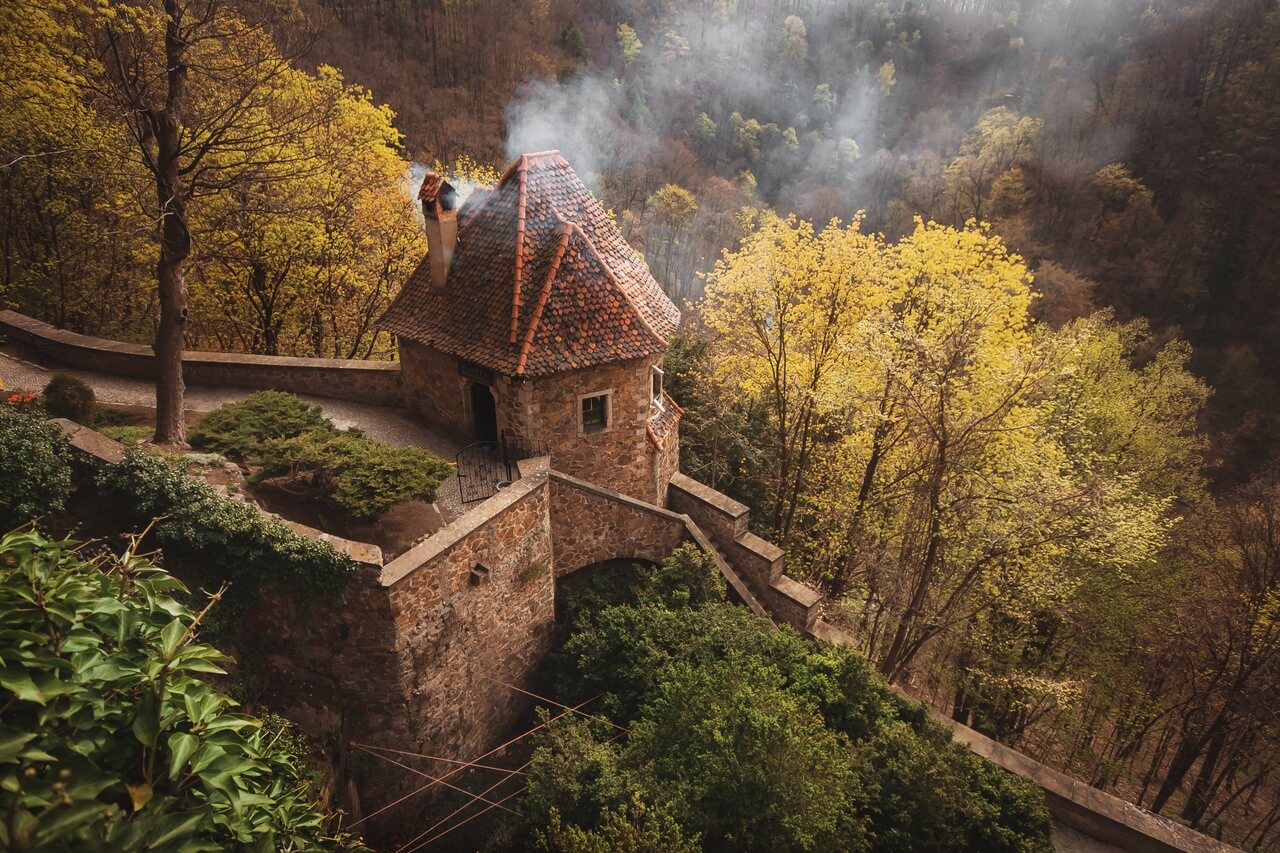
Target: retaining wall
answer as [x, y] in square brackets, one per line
[374, 382]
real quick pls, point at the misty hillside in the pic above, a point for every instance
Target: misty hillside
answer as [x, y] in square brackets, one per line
[1124, 147]
[646, 425]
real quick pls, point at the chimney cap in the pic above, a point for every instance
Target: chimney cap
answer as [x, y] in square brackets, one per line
[437, 191]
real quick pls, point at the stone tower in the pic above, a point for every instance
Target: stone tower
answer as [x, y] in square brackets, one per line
[541, 324]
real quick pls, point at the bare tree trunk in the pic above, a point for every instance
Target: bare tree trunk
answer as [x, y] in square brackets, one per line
[175, 239]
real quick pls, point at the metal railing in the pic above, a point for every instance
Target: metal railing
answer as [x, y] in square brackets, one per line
[487, 466]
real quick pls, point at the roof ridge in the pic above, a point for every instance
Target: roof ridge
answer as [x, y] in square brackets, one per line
[566, 229]
[523, 168]
[608, 271]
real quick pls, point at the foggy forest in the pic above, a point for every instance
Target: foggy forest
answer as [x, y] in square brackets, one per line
[974, 319]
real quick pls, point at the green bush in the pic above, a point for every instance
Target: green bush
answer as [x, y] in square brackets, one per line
[286, 435]
[110, 738]
[363, 476]
[231, 539]
[239, 430]
[751, 738]
[687, 577]
[35, 467]
[69, 397]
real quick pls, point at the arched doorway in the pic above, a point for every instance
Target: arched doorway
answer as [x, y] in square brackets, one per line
[484, 413]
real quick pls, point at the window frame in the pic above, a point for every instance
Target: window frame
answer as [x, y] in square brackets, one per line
[580, 413]
[656, 395]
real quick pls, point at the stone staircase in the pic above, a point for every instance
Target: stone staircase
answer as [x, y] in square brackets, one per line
[757, 562]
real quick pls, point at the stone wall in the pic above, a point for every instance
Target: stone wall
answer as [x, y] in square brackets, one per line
[591, 524]
[666, 464]
[618, 457]
[757, 562]
[473, 606]
[434, 388]
[375, 382]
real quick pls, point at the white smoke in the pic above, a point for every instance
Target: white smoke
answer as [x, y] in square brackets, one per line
[576, 117]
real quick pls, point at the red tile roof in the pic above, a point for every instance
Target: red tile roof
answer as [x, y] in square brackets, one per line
[432, 183]
[541, 282]
[662, 423]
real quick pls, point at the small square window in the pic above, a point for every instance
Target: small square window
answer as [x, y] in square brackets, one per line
[595, 413]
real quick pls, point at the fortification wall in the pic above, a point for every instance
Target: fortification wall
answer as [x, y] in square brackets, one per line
[591, 524]
[758, 562]
[375, 382]
[473, 606]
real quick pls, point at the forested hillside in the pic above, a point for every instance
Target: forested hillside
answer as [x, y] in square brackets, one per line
[977, 320]
[1125, 147]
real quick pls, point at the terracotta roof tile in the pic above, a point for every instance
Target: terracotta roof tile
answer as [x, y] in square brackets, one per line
[541, 282]
[662, 423]
[432, 183]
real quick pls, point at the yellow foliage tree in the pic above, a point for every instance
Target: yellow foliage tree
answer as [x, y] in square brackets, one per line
[943, 466]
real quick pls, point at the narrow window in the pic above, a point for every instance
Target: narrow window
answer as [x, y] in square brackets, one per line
[656, 394]
[595, 413]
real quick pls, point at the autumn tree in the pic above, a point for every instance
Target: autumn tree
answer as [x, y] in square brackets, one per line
[943, 466]
[783, 310]
[1001, 140]
[304, 257]
[69, 231]
[1226, 654]
[194, 84]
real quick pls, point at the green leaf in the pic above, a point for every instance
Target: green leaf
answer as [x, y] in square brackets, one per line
[170, 636]
[20, 683]
[11, 743]
[146, 723]
[173, 827]
[181, 746]
[62, 823]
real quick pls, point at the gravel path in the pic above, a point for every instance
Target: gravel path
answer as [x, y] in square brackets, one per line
[19, 372]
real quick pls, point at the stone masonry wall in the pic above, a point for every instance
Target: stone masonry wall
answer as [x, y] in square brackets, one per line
[758, 562]
[434, 388]
[590, 524]
[618, 457]
[666, 464]
[375, 382]
[472, 606]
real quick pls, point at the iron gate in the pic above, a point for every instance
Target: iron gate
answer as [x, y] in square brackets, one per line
[486, 466]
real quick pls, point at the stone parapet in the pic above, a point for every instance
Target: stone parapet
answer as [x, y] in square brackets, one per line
[592, 524]
[374, 382]
[757, 561]
[794, 603]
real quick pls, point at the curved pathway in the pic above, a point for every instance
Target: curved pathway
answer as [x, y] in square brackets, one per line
[19, 371]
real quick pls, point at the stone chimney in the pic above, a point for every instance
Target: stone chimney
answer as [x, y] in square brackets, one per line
[439, 200]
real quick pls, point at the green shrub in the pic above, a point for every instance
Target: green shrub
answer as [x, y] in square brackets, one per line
[363, 476]
[239, 430]
[687, 577]
[283, 434]
[230, 539]
[35, 467]
[69, 397]
[111, 739]
[752, 738]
